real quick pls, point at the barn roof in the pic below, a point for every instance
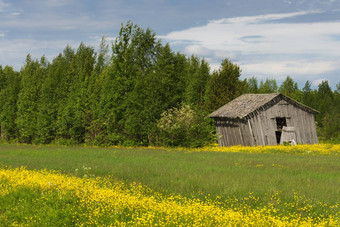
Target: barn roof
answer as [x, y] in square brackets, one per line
[249, 104]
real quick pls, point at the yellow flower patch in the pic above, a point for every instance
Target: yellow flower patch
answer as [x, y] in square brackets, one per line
[104, 203]
[326, 149]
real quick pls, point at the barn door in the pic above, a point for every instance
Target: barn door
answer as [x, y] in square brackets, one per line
[280, 123]
[288, 135]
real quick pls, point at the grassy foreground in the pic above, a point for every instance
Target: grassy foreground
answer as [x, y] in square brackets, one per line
[193, 188]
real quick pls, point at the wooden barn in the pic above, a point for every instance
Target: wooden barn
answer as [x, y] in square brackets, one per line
[264, 119]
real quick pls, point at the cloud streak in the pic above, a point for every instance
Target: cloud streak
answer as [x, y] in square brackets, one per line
[306, 49]
[263, 18]
[299, 38]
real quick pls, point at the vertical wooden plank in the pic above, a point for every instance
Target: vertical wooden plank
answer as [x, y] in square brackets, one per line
[313, 130]
[247, 135]
[252, 136]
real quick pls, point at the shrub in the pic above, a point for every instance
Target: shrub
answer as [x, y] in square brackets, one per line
[185, 127]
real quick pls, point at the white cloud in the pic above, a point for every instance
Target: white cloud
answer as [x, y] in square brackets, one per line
[318, 81]
[261, 18]
[280, 48]
[2, 34]
[290, 67]
[16, 13]
[298, 38]
[197, 50]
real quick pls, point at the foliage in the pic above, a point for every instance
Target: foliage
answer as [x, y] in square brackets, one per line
[196, 85]
[252, 85]
[269, 86]
[10, 87]
[117, 97]
[330, 119]
[32, 76]
[290, 88]
[184, 127]
[224, 85]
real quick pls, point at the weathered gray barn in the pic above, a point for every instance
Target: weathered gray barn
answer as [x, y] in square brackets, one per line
[264, 119]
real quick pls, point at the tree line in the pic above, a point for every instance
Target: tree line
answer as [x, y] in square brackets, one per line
[139, 93]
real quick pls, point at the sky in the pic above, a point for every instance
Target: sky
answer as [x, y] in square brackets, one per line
[266, 38]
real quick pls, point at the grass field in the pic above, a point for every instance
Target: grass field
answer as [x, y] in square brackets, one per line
[297, 187]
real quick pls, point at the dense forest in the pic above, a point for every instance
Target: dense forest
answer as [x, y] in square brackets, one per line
[139, 93]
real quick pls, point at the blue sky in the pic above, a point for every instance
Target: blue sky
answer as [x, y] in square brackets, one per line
[267, 38]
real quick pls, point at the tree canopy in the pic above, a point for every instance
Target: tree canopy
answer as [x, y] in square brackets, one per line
[127, 95]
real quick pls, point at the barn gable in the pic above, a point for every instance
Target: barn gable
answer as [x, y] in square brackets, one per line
[248, 105]
[261, 119]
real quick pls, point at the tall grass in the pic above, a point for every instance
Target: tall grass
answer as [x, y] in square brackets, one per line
[202, 174]
[48, 198]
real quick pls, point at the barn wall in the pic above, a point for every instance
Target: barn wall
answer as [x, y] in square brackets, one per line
[304, 124]
[233, 132]
[264, 124]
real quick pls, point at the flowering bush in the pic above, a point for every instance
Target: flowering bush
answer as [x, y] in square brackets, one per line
[186, 127]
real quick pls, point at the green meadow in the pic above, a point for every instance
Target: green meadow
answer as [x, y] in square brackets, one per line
[235, 179]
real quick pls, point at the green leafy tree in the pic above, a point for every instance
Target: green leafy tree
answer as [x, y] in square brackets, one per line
[291, 89]
[224, 85]
[94, 127]
[325, 103]
[134, 53]
[72, 116]
[102, 58]
[324, 90]
[32, 76]
[331, 125]
[3, 79]
[269, 86]
[198, 75]
[331, 118]
[54, 91]
[252, 85]
[10, 87]
[324, 100]
[164, 87]
[308, 97]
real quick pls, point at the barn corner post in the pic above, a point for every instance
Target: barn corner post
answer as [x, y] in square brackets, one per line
[264, 119]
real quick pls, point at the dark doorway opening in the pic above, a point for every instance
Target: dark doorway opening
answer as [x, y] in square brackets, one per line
[280, 122]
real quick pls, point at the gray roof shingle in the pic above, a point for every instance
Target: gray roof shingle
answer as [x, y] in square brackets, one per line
[246, 104]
